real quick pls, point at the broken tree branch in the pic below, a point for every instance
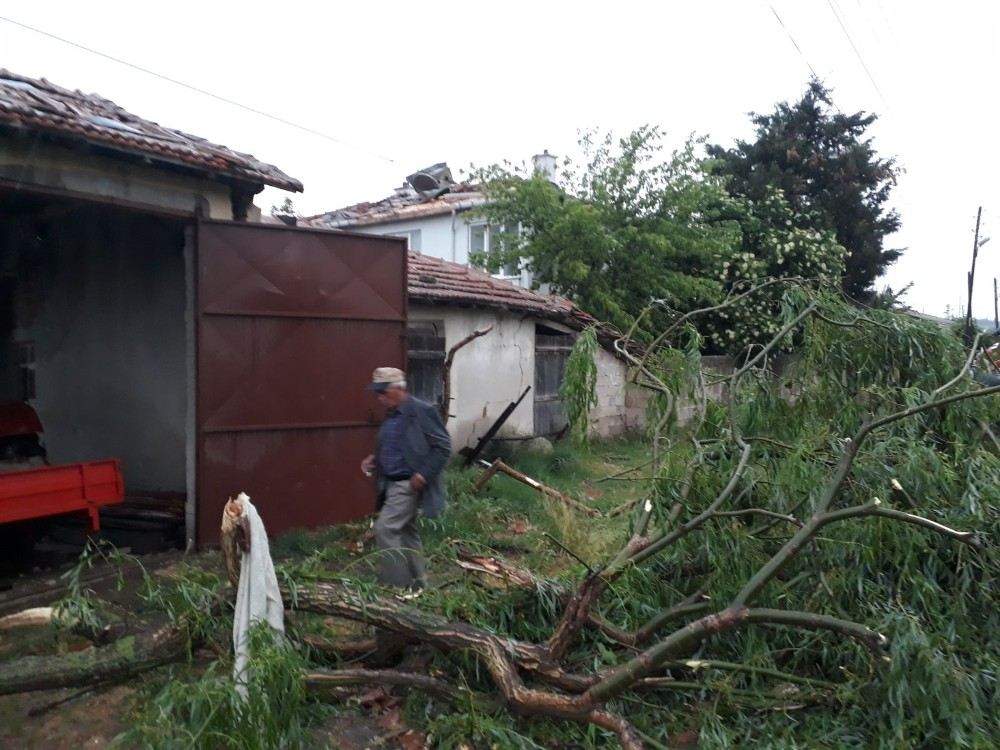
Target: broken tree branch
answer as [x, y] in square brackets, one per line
[644, 634]
[446, 375]
[503, 468]
[496, 568]
[875, 509]
[757, 512]
[812, 621]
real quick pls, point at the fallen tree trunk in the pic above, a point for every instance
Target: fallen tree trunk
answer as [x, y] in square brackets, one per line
[126, 657]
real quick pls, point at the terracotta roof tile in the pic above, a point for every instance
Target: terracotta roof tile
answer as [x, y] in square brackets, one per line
[436, 281]
[39, 105]
[401, 206]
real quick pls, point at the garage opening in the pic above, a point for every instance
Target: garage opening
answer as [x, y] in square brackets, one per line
[93, 340]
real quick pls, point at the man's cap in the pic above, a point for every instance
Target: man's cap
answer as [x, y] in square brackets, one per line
[387, 377]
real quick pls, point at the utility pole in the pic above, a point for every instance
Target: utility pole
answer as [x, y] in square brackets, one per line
[972, 278]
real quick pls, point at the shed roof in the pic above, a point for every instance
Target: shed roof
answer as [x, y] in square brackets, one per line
[42, 106]
[436, 281]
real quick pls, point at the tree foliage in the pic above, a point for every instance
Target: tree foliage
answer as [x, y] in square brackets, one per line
[627, 229]
[826, 166]
[579, 387]
[637, 239]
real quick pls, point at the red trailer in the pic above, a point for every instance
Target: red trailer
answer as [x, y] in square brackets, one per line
[30, 491]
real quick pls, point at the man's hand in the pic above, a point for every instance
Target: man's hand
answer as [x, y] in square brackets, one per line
[417, 482]
[368, 465]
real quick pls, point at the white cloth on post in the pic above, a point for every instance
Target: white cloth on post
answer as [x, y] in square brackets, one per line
[258, 598]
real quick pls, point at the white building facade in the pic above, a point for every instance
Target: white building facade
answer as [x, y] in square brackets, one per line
[438, 217]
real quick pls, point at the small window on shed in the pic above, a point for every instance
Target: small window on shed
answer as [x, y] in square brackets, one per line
[552, 350]
[425, 355]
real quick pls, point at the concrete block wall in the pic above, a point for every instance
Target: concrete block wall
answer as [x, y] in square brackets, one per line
[621, 407]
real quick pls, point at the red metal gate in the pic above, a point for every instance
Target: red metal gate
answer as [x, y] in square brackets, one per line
[291, 323]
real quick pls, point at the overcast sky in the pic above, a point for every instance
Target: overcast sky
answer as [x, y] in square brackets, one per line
[401, 85]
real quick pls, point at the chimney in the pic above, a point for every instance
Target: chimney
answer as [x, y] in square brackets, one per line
[545, 163]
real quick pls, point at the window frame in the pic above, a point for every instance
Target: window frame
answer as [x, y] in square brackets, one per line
[488, 234]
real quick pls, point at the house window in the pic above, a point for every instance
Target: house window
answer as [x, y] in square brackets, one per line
[412, 237]
[425, 355]
[25, 358]
[485, 239]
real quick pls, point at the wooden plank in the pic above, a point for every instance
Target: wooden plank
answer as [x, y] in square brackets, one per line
[473, 454]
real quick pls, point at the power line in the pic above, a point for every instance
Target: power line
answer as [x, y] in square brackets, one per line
[203, 92]
[794, 43]
[857, 52]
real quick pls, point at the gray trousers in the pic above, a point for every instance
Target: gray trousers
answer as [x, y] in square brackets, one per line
[401, 563]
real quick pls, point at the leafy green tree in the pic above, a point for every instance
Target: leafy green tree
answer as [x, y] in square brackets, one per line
[636, 239]
[829, 172]
[627, 229]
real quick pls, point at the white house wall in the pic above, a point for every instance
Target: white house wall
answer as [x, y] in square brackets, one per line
[494, 370]
[443, 236]
[489, 373]
[440, 236]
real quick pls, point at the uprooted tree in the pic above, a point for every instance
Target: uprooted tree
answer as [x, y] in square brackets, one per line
[820, 539]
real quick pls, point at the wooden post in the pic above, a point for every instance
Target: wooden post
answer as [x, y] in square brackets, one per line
[996, 309]
[972, 277]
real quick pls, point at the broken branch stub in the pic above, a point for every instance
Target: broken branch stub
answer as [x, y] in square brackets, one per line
[503, 468]
[446, 374]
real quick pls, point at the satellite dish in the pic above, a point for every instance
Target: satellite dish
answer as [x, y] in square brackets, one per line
[432, 178]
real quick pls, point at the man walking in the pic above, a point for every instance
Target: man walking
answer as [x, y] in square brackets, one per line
[411, 451]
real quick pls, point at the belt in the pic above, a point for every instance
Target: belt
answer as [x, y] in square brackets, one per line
[398, 477]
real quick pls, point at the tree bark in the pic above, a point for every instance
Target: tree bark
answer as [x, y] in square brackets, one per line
[124, 658]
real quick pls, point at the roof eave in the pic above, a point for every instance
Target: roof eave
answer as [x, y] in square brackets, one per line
[55, 135]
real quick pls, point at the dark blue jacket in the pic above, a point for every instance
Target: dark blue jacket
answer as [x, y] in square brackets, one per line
[426, 449]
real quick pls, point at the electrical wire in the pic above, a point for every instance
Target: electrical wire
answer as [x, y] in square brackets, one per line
[794, 43]
[203, 92]
[857, 52]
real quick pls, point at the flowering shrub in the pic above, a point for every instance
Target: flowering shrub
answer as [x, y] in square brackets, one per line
[774, 246]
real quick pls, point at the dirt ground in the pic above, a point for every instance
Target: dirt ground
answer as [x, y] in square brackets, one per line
[74, 719]
[91, 721]
[94, 719]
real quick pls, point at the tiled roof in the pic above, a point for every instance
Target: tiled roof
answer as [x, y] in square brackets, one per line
[404, 204]
[436, 281]
[38, 105]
